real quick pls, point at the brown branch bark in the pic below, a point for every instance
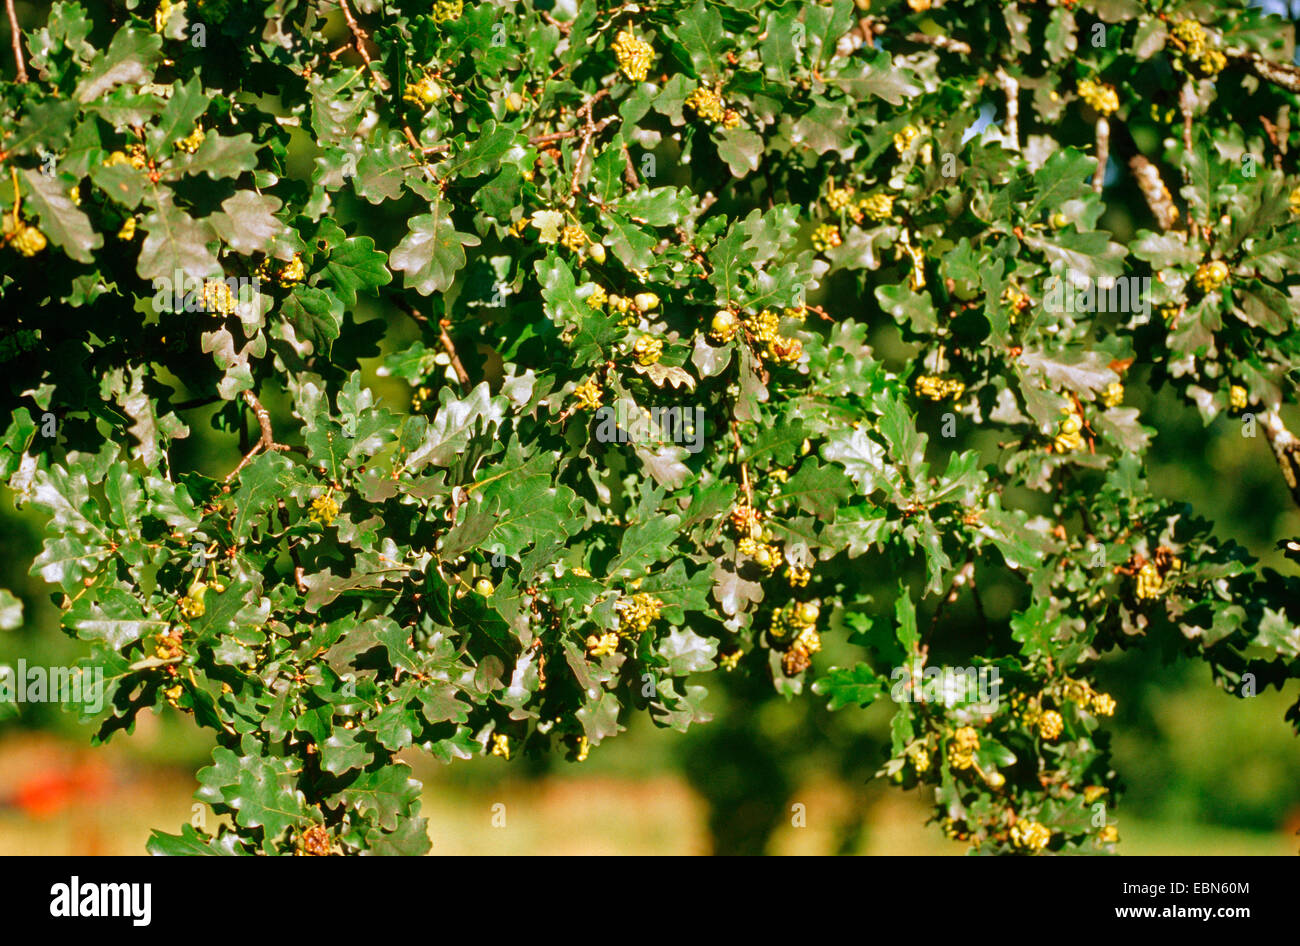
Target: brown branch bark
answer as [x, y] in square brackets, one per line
[1286, 448]
[552, 136]
[450, 348]
[629, 170]
[447, 344]
[744, 467]
[1145, 173]
[1154, 190]
[1103, 155]
[589, 132]
[359, 39]
[1010, 88]
[946, 43]
[266, 440]
[1279, 147]
[1280, 74]
[15, 36]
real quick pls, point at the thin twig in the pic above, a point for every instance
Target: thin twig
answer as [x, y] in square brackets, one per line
[1286, 448]
[744, 467]
[588, 132]
[359, 39]
[449, 346]
[424, 149]
[946, 43]
[563, 26]
[1278, 147]
[629, 171]
[552, 136]
[15, 35]
[1186, 102]
[266, 441]
[1103, 155]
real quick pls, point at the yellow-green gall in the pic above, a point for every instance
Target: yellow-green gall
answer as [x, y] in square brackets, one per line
[826, 237]
[1030, 835]
[324, 509]
[647, 350]
[634, 55]
[1210, 276]
[1102, 97]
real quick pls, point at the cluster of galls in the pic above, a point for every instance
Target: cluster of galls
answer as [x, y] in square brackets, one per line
[315, 842]
[588, 394]
[1151, 575]
[647, 350]
[218, 297]
[1102, 97]
[1069, 432]
[755, 542]
[286, 274]
[1017, 300]
[637, 613]
[1195, 54]
[1030, 835]
[826, 237]
[629, 308]
[1210, 276]
[191, 142]
[444, 10]
[22, 237]
[1049, 723]
[964, 744]
[765, 555]
[324, 509]
[794, 626]
[191, 604]
[938, 388]
[709, 105]
[764, 329]
[878, 206]
[421, 397]
[1081, 692]
[634, 55]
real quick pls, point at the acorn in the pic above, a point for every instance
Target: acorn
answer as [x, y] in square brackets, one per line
[484, 587]
[597, 252]
[646, 301]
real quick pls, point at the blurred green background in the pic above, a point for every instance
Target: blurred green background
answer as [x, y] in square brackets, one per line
[1203, 772]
